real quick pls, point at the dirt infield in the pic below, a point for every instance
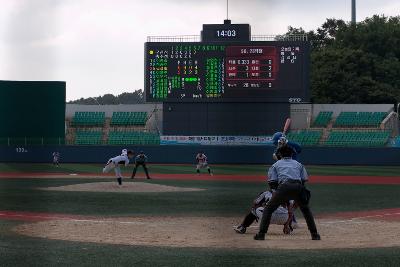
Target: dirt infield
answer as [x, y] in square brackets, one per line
[113, 187]
[213, 232]
[317, 179]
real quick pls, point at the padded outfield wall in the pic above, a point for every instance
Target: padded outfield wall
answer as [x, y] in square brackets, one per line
[32, 109]
[216, 154]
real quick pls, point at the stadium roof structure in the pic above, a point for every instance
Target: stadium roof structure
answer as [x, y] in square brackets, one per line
[197, 38]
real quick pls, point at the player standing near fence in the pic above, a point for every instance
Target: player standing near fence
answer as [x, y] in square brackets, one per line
[140, 160]
[56, 158]
[115, 162]
[201, 159]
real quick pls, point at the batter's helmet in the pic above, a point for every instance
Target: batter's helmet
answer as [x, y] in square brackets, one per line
[276, 137]
[282, 141]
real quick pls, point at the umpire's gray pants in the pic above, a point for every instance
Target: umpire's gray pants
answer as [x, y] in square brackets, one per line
[282, 195]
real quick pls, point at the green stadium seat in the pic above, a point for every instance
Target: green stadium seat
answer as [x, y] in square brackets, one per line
[129, 118]
[88, 118]
[359, 119]
[133, 138]
[323, 119]
[358, 138]
[306, 137]
[88, 137]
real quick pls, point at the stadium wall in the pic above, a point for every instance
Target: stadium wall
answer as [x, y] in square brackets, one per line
[216, 154]
[302, 115]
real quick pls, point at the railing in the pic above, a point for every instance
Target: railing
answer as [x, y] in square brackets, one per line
[178, 38]
[197, 38]
[42, 141]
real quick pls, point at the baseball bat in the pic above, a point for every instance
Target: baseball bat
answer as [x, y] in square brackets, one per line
[287, 125]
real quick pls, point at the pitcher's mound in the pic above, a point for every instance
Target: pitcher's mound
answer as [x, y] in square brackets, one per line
[113, 187]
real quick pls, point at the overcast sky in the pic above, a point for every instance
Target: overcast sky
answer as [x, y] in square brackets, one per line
[96, 46]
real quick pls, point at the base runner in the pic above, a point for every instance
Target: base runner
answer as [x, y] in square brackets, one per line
[201, 159]
[115, 162]
[282, 216]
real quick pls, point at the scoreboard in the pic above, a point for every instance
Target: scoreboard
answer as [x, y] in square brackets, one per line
[227, 72]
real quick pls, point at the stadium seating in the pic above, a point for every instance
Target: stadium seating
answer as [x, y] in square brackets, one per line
[129, 118]
[305, 137]
[323, 118]
[88, 118]
[133, 138]
[358, 138]
[88, 137]
[359, 119]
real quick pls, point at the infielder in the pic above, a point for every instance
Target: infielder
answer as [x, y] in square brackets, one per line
[283, 215]
[114, 163]
[56, 158]
[140, 159]
[288, 177]
[280, 140]
[201, 159]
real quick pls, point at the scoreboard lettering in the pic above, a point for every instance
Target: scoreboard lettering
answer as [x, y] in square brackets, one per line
[221, 72]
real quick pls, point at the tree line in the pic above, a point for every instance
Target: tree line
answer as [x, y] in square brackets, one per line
[355, 63]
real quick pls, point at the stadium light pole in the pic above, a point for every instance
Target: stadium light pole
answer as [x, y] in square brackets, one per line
[353, 11]
[95, 99]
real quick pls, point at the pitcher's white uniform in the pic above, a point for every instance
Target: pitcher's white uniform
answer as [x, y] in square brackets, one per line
[280, 216]
[113, 163]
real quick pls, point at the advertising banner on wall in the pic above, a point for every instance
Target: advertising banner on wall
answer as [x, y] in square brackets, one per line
[215, 140]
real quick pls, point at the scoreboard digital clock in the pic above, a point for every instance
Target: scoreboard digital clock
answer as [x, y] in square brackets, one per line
[226, 32]
[227, 72]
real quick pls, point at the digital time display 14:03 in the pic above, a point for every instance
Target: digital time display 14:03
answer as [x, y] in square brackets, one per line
[217, 72]
[226, 33]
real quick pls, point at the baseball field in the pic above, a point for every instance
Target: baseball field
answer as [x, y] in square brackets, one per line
[74, 215]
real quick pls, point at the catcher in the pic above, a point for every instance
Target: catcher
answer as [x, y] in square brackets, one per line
[282, 216]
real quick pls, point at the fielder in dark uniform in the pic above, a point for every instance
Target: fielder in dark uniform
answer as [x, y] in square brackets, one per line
[288, 177]
[140, 159]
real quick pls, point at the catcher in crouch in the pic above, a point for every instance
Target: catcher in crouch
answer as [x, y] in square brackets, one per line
[282, 216]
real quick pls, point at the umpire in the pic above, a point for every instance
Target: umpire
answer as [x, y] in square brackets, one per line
[140, 159]
[287, 176]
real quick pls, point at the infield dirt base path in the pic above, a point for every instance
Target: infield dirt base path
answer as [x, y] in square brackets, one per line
[214, 232]
[216, 177]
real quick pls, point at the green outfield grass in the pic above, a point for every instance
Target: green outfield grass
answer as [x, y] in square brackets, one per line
[221, 198]
[218, 169]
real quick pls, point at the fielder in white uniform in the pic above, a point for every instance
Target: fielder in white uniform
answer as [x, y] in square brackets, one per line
[56, 158]
[201, 159]
[114, 163]
[283, 215]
